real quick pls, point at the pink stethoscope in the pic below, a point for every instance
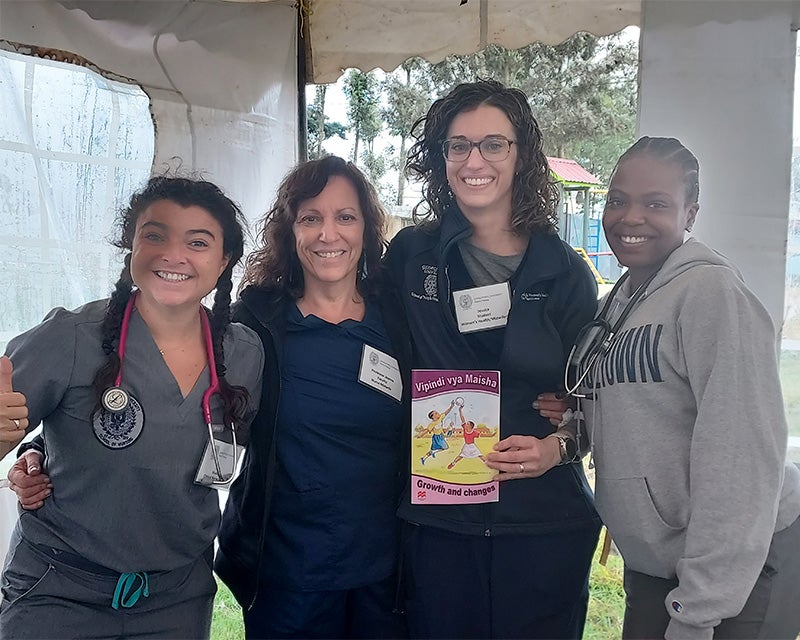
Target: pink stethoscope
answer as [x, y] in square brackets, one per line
[115, 399]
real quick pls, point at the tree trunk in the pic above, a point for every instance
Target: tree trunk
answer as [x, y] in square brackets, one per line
[321, 89]
[401, 178]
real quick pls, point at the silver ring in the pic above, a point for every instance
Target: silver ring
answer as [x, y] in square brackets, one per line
[521, 467]
[16, 422]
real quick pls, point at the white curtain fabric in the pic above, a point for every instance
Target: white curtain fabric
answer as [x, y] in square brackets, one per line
[73, 145]
[221, 77]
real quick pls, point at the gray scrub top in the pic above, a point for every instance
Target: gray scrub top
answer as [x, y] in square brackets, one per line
[134, 508]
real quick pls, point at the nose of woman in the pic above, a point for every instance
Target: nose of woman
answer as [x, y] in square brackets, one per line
[173, 251]
[329, 229]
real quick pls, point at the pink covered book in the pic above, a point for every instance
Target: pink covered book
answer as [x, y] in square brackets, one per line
[455, 422]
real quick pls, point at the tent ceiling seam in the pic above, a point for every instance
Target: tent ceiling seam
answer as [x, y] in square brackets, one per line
[484, 23]
[189, 113]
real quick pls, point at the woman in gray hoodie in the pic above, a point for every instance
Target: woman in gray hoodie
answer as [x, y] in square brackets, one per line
[686, 420]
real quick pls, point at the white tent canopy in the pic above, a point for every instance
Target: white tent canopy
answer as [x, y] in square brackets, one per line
[223, 80]
[384, 33]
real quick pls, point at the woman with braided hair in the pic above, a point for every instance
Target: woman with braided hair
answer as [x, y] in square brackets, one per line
[127, 390]
[686, 420]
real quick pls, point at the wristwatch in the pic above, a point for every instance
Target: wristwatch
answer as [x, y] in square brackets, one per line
[568, 448]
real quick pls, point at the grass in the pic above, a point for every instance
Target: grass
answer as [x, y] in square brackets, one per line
[227, 623]
[603, 622]
[606, 598]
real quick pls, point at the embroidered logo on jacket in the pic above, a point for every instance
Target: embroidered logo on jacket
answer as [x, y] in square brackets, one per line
[633, 358]
[429, 284]
[533, 296]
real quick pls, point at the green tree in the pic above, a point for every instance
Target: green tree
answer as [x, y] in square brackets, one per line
[583, 92]
[319, 128]
[408, 96]
[375, 166]
[363, 93]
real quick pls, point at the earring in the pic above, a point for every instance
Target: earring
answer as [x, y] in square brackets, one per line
[688, 227]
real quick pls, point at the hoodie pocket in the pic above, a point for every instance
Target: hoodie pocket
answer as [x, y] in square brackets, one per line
[647, 543]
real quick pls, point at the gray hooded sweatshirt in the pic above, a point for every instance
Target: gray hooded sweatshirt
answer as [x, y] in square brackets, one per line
[689, 438]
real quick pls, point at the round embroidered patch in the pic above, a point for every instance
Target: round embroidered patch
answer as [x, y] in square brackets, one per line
[121, 429]
[677, 606]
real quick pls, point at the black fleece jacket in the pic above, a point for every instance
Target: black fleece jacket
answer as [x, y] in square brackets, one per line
[553, 296]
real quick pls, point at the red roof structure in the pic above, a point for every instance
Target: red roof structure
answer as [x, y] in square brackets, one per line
[570, 171]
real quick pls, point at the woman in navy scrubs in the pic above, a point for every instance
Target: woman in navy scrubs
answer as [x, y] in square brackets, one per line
[309, 537]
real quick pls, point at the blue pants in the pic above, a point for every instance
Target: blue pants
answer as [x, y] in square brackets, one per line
[364, 612]
[45, 596]
[507, 586]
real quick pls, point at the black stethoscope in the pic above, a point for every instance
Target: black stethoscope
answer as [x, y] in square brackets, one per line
[115, 399]
[597, 337]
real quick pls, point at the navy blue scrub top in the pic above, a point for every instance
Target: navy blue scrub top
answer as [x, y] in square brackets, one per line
[332, 523]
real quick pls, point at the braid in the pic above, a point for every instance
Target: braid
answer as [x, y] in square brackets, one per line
[112, 326]
[235, 398]
[671, 150]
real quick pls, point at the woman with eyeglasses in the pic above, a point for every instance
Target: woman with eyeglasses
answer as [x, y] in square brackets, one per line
[489, 221]
[686, 419]
[129, 391]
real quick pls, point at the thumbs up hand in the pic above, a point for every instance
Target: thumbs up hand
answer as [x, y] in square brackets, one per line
[13, 411]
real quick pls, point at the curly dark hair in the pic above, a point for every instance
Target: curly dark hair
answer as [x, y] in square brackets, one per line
[534, 195]
[187, 193]
[275, 264]
[669, 150]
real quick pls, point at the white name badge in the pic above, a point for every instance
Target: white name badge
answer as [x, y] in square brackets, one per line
[381, 372]
[482, 308]
[229, 462]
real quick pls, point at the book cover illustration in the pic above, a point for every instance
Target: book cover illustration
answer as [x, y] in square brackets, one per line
[455, 422]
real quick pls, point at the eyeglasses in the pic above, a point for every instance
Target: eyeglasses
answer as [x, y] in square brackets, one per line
[492, 148]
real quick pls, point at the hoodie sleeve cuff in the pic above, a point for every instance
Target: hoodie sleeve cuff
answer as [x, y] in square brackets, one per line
[679, 631]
